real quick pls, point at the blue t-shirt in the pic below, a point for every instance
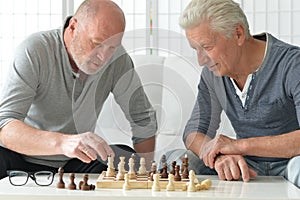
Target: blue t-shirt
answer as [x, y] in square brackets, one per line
[272, 104]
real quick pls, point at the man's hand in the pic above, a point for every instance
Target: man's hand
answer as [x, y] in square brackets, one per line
[232, 167]
[86, 147]
[221, 144]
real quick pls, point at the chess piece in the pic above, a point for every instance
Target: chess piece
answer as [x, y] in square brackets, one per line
[131, 172]
[126, 185]
[110, 172]
[162, 162]
[121, 169]
[60, 183]
[191, 186]
[177, 176]
[164, 171]
[173, 168]
[72, 185]
[184, 168]
[153, 167]
[170, 186]
[206, 184]
[156, 186]
[83, 185]
[133, 156]
[142, 168]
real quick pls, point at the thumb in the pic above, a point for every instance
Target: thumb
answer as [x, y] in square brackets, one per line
[252, 173]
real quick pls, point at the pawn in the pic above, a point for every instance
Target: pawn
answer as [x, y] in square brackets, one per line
[173, 168]
[177, 176]
[72, 185]
[191, 186]
[156, 186]
[126, 185]
[142, 168]
[61, 183]
[83, 185]
[170, 186]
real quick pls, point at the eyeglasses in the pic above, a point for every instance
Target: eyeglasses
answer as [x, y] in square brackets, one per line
[41, 178]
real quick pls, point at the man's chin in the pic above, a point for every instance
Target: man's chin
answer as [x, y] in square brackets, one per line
[91, 70]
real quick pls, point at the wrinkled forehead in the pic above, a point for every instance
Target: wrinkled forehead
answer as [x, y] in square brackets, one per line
[200, 34]
[103, 34]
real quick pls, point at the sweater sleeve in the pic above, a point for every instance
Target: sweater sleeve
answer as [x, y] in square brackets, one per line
[21, 83]
[205, 117]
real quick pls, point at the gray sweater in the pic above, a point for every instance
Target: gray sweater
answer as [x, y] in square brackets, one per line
[42, 91]
[272, 106]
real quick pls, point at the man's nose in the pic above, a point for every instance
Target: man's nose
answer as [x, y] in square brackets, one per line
[203, 58]
[104, 53]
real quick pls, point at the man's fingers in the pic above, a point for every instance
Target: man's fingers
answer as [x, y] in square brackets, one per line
[104, 150]
[99, 146]
[244, 170]
[83, 156]
[228, 173]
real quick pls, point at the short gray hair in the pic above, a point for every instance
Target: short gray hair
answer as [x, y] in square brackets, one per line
[223, 16]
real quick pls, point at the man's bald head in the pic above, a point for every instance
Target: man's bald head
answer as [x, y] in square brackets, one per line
[103, 10]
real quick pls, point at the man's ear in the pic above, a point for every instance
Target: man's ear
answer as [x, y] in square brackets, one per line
[73, 24]
[240, 34]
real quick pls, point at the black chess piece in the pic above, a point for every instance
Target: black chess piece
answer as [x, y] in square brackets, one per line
[60, 184]
[177, 176]
[173, 168]
[72, 185]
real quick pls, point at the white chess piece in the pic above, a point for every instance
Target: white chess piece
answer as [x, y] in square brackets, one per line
[110, 172]
[155, 186]
[142, 168]
[126, 185]
[131, 172]
[191, 186]
[121, 169]
[170, 186]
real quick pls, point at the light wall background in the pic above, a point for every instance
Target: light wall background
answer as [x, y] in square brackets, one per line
[19, 18]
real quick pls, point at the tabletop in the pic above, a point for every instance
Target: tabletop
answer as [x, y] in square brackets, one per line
[263, 187]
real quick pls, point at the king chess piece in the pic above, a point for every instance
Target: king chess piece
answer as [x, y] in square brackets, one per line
[184, 168]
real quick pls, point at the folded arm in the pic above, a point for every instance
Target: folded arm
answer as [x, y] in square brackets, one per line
[22, 138]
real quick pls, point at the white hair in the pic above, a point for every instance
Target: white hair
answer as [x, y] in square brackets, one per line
[223, 16]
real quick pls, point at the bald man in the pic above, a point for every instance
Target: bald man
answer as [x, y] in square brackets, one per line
[58, 82]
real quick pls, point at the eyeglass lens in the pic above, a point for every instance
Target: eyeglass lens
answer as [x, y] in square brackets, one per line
[42, 178]
[18, 178]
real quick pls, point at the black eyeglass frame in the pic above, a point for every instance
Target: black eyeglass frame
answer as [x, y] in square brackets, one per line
[31, 175]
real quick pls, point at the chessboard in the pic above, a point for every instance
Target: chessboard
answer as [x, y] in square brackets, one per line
[175, 179]
[140, 182]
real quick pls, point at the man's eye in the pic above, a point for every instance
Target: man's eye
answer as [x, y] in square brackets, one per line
[208, 48]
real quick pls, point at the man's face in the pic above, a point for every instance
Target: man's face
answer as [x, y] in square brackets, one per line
[215, 51]
[91, 48]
